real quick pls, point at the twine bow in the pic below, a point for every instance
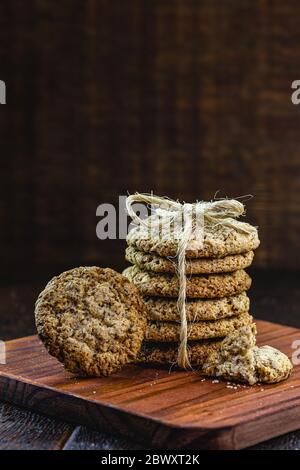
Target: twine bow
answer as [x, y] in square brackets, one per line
[220, 212]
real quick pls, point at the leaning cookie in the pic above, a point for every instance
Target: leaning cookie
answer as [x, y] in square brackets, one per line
[158, 264]
[202, 286]
[166, 353]
[91, 319]
[170, 332]
[216, 241]
[234, 359]
[161, 309]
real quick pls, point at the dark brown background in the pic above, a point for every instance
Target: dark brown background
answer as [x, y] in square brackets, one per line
[180, 97]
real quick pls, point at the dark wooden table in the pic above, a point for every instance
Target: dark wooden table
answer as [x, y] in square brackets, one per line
[275, 296]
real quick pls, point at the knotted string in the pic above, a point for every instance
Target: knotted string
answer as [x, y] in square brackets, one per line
[220, 212]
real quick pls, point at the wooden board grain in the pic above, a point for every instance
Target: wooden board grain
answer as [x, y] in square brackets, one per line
[169, 410]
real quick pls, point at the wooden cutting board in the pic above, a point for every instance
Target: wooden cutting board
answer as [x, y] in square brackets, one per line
[168, 410]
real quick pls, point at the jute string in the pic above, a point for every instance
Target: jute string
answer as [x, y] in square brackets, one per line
[220, 212]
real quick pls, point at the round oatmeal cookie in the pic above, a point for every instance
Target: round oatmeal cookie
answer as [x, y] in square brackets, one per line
[271, 365]
[166, 353]
[170, 332]
[91, 319]
[158, 264]
[219, 241]
[160, 309]
[200, 286]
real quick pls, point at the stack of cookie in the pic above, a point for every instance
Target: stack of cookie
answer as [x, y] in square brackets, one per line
[217, 303]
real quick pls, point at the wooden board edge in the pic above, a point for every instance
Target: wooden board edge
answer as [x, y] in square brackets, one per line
[76, 410]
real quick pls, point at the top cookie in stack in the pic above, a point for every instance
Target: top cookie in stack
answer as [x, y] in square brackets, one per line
[216, 287]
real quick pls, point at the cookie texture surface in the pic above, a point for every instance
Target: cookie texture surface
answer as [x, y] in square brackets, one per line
[91, 319]
[271, 365]
[234, 360]
[219, 241]
[170, 332]
[238, 358]
[201, 286]
[158, 264]
[161, 309]
[166, 353]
